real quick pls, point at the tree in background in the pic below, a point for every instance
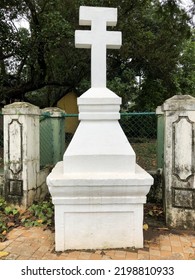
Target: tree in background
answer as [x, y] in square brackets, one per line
[185, 75]
[41, 63]
[41, 57]
[154, 42]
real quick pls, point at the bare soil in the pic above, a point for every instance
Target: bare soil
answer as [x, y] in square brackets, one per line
[155, 219]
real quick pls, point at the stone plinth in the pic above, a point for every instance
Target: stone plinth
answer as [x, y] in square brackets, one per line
[179, 155]
[98, 210]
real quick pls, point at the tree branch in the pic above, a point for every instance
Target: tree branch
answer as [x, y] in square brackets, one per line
[19, 91]
[5, 56]
[2, 65]
[40, 44]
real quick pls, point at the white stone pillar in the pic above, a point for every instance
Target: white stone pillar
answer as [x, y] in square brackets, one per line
[21, 152]
[179, 161]
[98, 190]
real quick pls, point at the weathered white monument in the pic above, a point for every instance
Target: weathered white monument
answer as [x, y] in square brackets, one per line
[179, 164]
[98, 190]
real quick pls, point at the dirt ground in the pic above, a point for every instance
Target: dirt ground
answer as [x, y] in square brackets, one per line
[154, 218]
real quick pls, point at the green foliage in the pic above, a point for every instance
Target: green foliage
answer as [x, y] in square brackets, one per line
[125, 85]
[185, 75]
[8, 218]
[154, 38]
[44, 57]
[2, 203]
[11, 211]
[39, 214]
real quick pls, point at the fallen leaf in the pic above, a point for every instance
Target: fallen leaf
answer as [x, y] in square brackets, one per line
[3, 254]
[4, 232]
[163, 228]
[151, 213]
[22, 211]
[10, 224]
[145, 226]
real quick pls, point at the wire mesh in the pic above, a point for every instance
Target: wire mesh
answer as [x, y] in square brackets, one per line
[52, 139]
[46, 142]
[141, 131]
[139, 127]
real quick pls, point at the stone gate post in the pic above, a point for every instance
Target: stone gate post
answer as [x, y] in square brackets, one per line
[179, 161]
[21, 152]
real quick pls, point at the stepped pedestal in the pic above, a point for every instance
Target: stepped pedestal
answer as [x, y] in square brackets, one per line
[98, 190]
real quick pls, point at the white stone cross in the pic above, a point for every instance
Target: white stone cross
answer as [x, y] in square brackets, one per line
[98, 39]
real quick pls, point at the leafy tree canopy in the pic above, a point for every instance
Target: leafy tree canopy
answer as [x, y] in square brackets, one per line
[185, 75]
[43, 57]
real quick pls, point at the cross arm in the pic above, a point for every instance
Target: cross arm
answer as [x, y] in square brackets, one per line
[88, 14]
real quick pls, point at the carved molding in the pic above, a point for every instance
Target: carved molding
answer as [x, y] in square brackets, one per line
[183, 149]
[183, 198]
[15, 149]
[15, 187]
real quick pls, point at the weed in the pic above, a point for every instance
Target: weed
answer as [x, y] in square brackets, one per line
[39, 214]
[2, 203]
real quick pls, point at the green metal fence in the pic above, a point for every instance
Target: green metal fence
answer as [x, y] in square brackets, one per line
[52, 139]
[46, 142]
[140, 129]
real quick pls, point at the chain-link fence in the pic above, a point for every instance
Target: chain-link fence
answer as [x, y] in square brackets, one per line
[141, 131]
[52, 139]
[139, 127]
[46, 141]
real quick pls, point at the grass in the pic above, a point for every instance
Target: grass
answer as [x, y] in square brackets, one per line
[146, 154]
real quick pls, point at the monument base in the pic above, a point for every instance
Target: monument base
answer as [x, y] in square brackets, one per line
[98, 211]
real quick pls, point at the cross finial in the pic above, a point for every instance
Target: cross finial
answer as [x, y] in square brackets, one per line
[98, 39]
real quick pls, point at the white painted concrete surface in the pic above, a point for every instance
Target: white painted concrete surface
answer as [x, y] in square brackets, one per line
[179, 164]
[98, 190]
[98, 39]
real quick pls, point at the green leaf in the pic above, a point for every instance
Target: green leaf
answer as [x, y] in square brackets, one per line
[15, 211]
[8, 210]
